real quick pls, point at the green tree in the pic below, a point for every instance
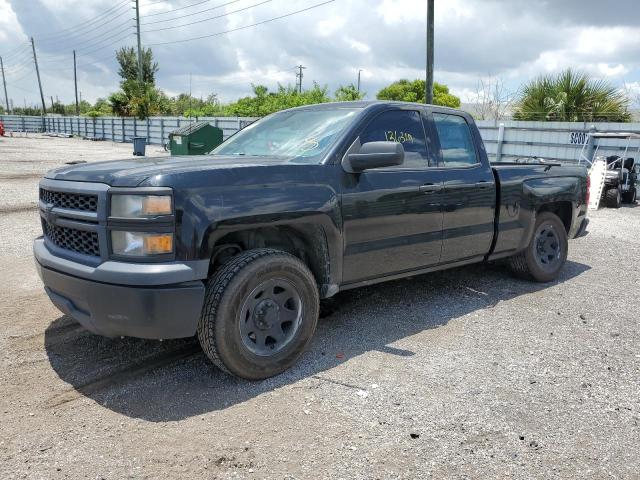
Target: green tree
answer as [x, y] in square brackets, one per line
[571, 96]
[348, 93]
[141, 99]
[57, 108]
[101, 108]
[127, 58]
[31, 111]
[413, 91]
[120, 104]
[264, 102]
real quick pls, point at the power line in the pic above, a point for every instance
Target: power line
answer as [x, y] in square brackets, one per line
[189, 14]
[208, 19]
[94, 43]
[20, 88]
[78, 36]
[18, 66]
[107, 45]
[317, 5]
[26, 60]
[85, 24]
[153, 3]
[87, 53]
[179, 8]
[54, 57]
[21, 50]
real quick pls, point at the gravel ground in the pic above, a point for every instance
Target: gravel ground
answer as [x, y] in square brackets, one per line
[467, 373]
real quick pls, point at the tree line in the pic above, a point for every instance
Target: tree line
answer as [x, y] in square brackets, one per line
[566, 96]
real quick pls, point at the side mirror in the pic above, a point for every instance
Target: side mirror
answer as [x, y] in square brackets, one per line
[373, 155]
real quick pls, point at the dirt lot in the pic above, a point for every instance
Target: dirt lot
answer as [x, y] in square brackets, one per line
[463, 374]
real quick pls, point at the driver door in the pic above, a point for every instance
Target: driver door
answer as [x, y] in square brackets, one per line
[392, 216]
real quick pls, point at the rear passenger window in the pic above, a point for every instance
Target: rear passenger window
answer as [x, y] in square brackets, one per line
[456, 142]
[401, 126]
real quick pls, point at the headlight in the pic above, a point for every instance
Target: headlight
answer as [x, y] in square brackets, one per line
[140, 244]
[140, 206]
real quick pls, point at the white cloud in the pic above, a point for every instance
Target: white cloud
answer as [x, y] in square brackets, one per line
[514, 40]
[331, 25]
[359, 46]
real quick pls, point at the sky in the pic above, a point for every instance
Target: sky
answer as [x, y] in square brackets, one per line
[511, 41]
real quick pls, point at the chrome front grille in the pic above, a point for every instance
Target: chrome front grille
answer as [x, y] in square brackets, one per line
[79, 241]
[70, 201]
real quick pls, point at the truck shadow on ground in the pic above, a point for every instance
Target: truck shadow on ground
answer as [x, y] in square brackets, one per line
[173, 380]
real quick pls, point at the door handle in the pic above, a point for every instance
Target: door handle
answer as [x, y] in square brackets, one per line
[483, 185]
[430, 188]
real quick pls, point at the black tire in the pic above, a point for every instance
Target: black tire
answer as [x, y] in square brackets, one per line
[613, 198]
[530, 263]
[630, 196]
[228, 293]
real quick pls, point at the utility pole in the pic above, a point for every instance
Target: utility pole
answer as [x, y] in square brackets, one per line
[139, 44]
[52, 103]
[428, 94]
[35, 59]
[299, 77]
[360, 70]
[4, 81]
[75, 81]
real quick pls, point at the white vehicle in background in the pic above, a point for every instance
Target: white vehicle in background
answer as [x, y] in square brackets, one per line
[619, 183]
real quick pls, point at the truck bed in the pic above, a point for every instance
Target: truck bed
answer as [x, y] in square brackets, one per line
[523, 188]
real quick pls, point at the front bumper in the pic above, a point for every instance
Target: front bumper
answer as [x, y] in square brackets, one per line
[145, 310]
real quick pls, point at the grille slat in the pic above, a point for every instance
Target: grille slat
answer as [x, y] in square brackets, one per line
[79, 241]
[71, 201]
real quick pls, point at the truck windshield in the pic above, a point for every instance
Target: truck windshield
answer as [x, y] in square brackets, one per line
[299, 136]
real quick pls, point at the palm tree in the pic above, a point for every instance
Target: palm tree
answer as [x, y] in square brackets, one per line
[571, 97]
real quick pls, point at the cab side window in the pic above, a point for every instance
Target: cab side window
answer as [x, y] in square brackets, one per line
[401, 126]
[456, 142]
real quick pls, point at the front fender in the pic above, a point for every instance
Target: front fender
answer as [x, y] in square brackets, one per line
[211, 214]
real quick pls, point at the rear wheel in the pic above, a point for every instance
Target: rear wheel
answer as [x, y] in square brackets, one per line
[630, 196]
[546, 253]
[613, 198]
[260, 311]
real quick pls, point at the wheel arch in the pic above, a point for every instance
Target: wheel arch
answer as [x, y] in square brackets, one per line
[307, 241]
[562, 209]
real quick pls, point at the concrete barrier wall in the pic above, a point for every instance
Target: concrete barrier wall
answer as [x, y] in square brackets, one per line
[505, 140]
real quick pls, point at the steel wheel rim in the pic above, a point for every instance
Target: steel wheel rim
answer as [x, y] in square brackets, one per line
[270, 317]
[548, 249]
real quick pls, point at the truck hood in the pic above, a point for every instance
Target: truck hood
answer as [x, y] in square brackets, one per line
[133, 172]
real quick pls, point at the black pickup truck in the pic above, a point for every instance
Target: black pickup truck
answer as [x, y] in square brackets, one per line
[239, 246]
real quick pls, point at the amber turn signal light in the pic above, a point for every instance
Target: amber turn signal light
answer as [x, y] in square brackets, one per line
[158, 244]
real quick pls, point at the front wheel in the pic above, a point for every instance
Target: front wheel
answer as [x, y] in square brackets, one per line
[260, 312]
[613, 198]
[546, 253]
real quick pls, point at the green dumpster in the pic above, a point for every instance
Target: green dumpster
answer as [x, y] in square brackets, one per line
[196, 138]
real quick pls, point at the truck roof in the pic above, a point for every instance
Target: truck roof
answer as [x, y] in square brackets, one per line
[362, 104]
